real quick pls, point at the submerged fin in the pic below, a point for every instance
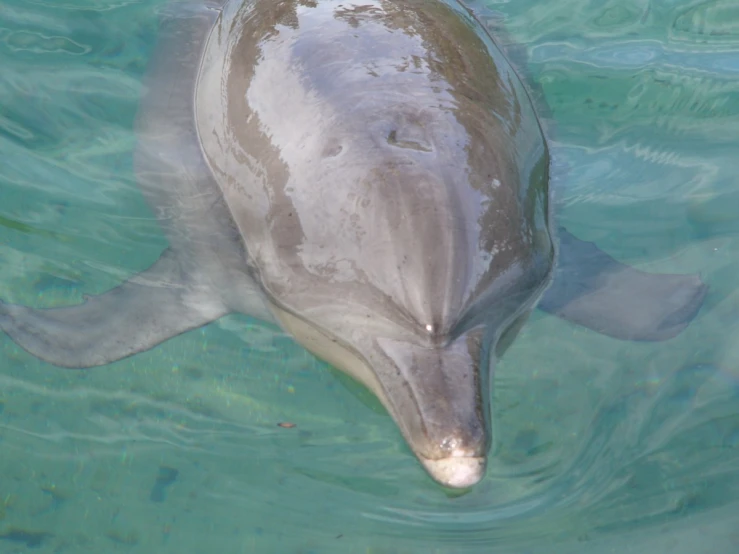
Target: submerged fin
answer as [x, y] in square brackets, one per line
[593, 290]
[157, 304]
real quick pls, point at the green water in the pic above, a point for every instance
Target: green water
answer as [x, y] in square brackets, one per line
[600, 445]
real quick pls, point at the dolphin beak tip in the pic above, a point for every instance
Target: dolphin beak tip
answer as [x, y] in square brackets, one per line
[456, 472]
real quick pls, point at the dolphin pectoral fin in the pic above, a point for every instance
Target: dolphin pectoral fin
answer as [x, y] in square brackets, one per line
[155, 305]
[593, 290]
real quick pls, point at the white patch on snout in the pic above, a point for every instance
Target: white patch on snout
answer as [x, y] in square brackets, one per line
[457, 472]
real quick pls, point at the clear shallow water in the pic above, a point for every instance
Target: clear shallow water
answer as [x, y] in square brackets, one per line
[601, 445]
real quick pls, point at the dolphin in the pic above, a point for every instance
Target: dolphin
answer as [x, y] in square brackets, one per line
[372, 176]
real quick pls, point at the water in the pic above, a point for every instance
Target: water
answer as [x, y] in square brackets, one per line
[601, 445]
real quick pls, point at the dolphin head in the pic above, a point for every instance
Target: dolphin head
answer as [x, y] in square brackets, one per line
[390, 179]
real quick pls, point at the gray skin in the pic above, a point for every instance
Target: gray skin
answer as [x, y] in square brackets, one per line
[370, 175]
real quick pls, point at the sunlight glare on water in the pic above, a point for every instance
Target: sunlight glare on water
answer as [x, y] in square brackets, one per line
[600, 445]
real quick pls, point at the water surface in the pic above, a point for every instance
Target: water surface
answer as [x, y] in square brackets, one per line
[600, 445]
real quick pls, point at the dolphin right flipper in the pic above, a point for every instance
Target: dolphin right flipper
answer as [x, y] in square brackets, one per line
[157, 304]
[592, 289]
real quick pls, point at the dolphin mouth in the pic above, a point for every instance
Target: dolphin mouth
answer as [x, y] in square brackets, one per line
[456, 472]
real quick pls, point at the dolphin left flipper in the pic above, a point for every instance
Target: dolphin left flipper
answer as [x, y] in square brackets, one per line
[159, 303]
[592, 289]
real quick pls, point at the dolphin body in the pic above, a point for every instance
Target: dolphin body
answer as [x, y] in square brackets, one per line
[370, 175]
